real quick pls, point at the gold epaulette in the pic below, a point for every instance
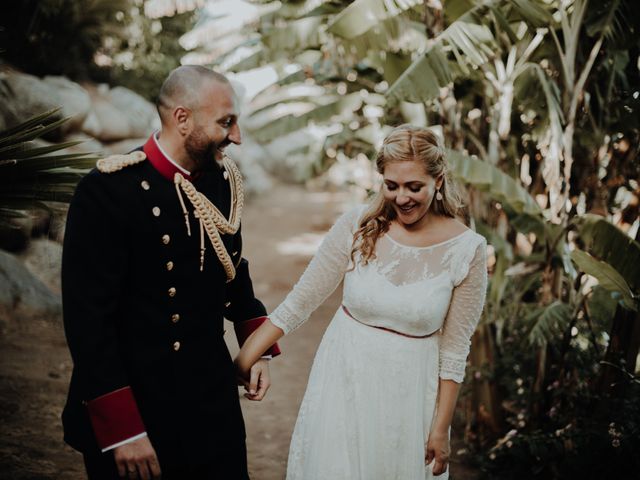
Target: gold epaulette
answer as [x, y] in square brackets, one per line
[118, 162]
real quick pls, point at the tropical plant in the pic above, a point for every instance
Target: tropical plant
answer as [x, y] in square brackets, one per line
[30, 176]
[537, 102]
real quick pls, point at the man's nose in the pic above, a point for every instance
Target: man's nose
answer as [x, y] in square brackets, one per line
[234, 134]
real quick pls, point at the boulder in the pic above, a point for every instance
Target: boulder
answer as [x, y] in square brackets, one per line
[124, 146]
[23, 96]
[141, 114]
[89, 144]
[23, 294]
[74, 99]
[106, 123]
[43, 258]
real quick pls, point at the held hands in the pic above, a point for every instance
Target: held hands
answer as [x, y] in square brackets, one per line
[256, 380]
[137, 459]
[438, 449]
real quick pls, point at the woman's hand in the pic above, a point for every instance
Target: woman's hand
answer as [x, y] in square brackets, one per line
[437, 450]
[256, 380]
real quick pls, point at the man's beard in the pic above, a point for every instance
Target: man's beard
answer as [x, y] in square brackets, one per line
[202, 149]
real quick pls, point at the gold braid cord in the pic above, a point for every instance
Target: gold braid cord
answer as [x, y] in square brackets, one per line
[211, 219]
[118, 162]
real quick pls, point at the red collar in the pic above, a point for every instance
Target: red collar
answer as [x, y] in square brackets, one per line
[160, 162]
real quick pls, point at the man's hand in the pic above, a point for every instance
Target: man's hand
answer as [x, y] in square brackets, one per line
[438, 449]
[137, 459]
[259, 381]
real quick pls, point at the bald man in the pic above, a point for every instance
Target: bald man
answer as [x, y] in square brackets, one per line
[151, 265]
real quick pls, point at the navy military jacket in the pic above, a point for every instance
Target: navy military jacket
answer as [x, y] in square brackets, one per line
[141, 318]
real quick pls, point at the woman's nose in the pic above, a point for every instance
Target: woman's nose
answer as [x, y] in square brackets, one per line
[402, 199]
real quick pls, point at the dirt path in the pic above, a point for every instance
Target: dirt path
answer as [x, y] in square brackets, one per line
[281, 230]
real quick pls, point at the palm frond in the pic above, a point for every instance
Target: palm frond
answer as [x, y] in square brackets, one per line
[28, 176]
[362, 15]
[468, 39]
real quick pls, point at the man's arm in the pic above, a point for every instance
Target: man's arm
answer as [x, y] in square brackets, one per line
[94, 264]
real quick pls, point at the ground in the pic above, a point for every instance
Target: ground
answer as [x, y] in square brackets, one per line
[281, 230]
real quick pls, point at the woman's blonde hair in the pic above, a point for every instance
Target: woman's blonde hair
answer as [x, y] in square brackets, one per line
[404, 144]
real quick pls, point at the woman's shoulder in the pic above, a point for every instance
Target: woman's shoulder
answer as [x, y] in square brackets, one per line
[457, 230]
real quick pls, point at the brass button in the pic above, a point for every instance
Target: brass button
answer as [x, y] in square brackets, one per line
[227, 304]
[145, 185]
[156, 211]
[166, 239]
[169, 266]
[176, 346]
[172, 292]
[175, 318]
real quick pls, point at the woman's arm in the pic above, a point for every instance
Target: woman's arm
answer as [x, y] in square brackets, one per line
[464, 312]
[438, 446]
[322, 276]
[255, 346]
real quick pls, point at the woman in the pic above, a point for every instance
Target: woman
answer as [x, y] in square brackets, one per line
[414, 287]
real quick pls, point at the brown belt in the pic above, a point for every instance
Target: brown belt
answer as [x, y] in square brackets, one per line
[346, 310]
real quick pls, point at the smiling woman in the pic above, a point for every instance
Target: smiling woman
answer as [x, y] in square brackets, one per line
[414, 287]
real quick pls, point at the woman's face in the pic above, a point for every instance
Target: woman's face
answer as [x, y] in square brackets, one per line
[410, 190]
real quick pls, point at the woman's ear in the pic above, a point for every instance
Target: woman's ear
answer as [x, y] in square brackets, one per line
[439, 181]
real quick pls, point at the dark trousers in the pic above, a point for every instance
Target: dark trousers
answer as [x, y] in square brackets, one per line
[102, 466]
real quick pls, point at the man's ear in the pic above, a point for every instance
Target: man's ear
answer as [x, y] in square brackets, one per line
[183, 119]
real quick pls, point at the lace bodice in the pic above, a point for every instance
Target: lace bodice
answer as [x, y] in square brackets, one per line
[413, 290]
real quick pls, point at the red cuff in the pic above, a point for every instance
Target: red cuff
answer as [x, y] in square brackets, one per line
[115, 417]
[246, 328]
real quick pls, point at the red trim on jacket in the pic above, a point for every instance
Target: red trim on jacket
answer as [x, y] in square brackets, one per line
[160, 162]
[115, 417]
[246, 328]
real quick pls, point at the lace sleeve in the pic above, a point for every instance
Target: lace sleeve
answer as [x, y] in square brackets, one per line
[322, 276]
[462, 318]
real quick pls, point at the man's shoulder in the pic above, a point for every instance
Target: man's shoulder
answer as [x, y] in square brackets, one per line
[113, 173]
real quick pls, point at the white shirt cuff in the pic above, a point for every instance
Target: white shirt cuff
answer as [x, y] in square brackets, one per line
[124, 442]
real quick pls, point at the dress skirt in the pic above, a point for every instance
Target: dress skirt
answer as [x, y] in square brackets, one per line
[368, 407]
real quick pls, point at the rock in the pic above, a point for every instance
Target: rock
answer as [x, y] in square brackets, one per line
[24, 96]
[89, 144]
[106, 123]
[43, 258]
[74, 99]
[124, 146]
[141, 114]
[23, 294]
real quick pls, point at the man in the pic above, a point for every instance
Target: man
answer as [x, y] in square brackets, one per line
[151, 265]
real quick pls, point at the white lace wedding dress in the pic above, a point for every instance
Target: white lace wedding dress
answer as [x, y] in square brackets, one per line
[371, 396]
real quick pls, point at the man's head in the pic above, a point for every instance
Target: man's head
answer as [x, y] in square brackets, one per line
[197, 107]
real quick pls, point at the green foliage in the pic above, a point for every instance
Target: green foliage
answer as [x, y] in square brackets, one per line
[29, 175]
[59, 36]
[102, 40]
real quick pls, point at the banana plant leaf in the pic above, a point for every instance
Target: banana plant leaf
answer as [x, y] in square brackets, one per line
[547, 323]
[290, 123]
[608, 277]
[611, 245]
[362, 15]
[491, 179]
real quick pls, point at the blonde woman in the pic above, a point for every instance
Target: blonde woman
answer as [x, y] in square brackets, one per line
[414, 287]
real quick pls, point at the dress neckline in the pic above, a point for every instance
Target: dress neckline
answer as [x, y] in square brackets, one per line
[444, 242]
